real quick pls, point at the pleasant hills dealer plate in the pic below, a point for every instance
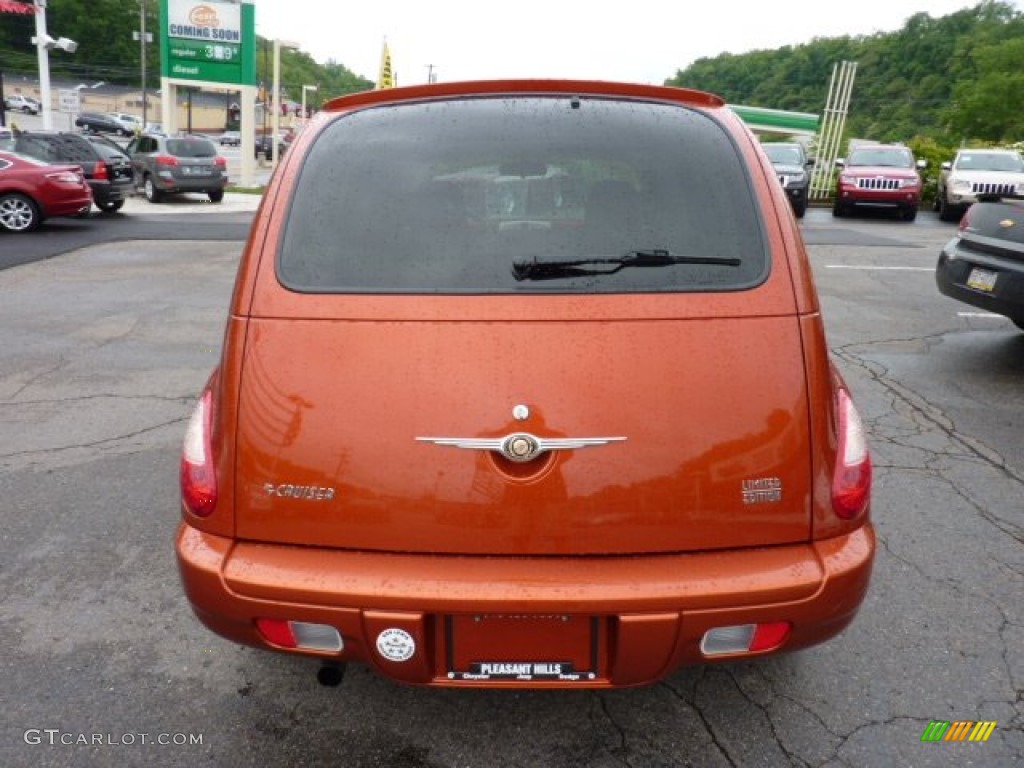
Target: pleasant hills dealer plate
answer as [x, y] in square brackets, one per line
[523, 647]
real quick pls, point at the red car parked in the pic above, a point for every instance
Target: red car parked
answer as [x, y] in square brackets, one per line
[31, 191]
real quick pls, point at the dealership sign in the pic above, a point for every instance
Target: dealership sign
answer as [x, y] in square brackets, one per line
[208, 41]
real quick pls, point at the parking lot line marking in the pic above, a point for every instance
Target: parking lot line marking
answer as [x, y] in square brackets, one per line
[980, 314]
[868, 267]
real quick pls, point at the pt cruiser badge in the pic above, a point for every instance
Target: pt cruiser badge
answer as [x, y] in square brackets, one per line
[520, 447]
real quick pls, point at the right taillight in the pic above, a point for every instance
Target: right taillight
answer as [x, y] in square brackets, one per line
[851, 479]
[964, 221]
[198, 477]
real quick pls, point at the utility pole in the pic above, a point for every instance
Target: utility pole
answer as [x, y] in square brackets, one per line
[143, 37]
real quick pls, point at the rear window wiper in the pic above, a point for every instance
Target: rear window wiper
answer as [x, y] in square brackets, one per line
[536, 269]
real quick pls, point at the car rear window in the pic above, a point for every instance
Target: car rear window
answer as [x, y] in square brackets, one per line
[56, 148]
[191, 148]
[109, 152]
[447, 196]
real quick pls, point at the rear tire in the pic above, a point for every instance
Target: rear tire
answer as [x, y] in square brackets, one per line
[947, 212]
[153, 194]
[18, 213]
[216, 195]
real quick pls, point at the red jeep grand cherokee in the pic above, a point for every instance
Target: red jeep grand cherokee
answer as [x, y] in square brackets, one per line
[879, 176]
[525, 383]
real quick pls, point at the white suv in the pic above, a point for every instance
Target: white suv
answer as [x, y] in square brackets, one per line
[977, 173]
[22, 104]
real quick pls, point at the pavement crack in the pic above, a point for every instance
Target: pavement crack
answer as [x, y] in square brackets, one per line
[692, 703]
[791, 757]
[41, 375]
[623, 748]
[934, 417]
[95, 443]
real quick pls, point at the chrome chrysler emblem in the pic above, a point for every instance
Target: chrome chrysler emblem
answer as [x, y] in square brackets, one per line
[520, 446]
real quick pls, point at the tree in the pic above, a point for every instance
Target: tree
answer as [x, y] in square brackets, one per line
[989, 107]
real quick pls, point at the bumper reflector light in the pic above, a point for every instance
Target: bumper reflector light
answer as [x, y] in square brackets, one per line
[744, 638]
[300, 634]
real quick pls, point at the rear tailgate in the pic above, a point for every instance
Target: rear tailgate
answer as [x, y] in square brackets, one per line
[715, 420]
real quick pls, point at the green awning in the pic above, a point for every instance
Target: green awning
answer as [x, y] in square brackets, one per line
[777, 120]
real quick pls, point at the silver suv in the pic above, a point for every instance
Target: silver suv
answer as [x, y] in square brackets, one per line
[976, 174]
[166, 165]
[19, 103]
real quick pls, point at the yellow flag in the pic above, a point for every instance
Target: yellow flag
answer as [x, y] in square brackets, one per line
[386, 78]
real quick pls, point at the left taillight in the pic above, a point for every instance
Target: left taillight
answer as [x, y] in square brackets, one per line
[851, 478]
[198, 475]
[220, 162]
[65, 177]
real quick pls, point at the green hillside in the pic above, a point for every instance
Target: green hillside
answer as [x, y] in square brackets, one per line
[948, 80]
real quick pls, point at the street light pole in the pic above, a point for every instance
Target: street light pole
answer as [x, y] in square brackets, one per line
[304, 89]
[275, 121]
[143, 37]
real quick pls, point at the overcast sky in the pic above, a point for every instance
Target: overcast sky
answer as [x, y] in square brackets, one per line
[642, 41]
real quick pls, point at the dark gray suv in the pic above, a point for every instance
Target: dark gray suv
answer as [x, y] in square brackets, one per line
[167, 165]
[793, 169]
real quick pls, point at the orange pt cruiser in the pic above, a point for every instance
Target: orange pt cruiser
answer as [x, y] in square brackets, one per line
[525, 384]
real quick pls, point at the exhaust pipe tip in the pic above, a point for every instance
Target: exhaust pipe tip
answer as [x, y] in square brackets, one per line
[331, 675]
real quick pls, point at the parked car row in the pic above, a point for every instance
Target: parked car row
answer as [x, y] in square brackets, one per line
[889, 177]
[157, 165]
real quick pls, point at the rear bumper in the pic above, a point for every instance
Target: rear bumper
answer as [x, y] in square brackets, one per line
[190, 184]
[73, 207]
[110, 192]
[648, 614]
[1006, 296]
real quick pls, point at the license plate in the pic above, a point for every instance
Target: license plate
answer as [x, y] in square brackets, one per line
[523, 648]
[197, 170]
[982, 280]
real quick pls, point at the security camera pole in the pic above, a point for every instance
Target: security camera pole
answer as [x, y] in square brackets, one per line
[40, 40]
[44, 43]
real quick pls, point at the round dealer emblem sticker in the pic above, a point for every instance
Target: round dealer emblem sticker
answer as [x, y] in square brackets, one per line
[396, 644]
